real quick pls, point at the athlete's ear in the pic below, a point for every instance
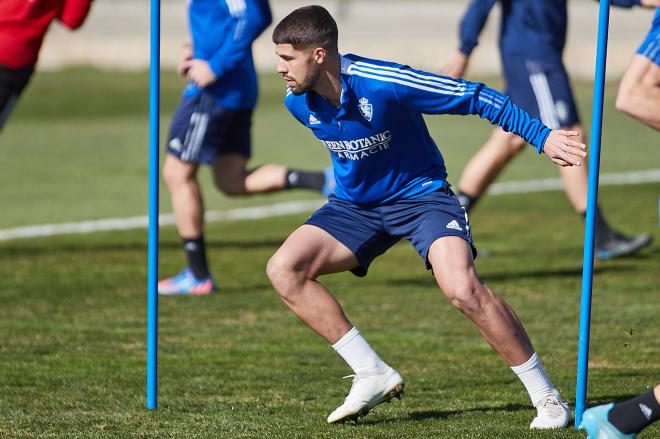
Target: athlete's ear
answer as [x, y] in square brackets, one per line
[320, 55]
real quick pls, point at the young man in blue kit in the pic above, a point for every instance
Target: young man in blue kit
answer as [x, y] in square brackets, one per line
[211, 126]
[532, 39]
[391, 184]
[639, 91]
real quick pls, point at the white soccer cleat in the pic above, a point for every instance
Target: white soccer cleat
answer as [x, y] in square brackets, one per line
[552, 412]
[368, 390]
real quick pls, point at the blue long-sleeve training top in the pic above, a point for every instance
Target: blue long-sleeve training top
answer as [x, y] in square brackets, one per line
[528, 28]
[377, 138]
[222, 34]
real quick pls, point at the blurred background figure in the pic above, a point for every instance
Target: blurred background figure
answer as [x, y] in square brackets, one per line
[622, 420]
[23, 25]
[639, 91]
[532, 40]
[212, 125]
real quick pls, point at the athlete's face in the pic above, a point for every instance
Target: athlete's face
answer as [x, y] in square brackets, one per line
[300, 69]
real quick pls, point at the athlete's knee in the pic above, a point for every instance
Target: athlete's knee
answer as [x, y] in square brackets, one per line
[515, 145]
[286, 273]
[176, 172]
[509, 143]
[624, 97]
[468, 295]
[630, 95]
[622, 103]
[229, 175]
[230, 185]
[637, 84]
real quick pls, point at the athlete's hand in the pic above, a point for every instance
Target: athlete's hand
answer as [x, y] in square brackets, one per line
[456, 66]
[651, 4]
[563, 149]
[187, 56]
[200, 73]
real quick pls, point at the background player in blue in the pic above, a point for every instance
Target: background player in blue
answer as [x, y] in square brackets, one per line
[211, 126]
[639, 91]
[532, 38]
[391, 184]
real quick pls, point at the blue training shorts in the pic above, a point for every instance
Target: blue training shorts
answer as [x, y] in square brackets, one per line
[541, 87]
[368, 231]
[650, 48]
[201, 130]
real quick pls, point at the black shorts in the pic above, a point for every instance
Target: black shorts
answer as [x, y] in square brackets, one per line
[542, 88]
[12, 83]
[201, 129]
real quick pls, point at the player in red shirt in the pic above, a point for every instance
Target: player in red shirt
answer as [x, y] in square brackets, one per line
[23, 25]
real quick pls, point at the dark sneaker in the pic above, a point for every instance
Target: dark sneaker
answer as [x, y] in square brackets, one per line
[617, 244]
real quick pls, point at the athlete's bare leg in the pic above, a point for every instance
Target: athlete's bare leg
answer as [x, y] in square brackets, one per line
[185, 195]
[233, 178]
[293, 270]
[639, 91]
[484, 167]
[453, 268]
[576, 178]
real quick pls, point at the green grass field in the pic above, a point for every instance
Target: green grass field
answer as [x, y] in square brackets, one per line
[239, 364]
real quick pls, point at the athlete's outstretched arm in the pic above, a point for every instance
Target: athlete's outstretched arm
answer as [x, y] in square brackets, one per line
[428, 93]
[472, 24]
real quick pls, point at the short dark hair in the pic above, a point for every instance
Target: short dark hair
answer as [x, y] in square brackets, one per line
[308, 27]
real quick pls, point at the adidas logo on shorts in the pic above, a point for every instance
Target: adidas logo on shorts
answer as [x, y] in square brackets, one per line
[175, 144]
[453, 224]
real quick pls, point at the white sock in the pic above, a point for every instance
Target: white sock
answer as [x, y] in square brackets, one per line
[355, 350]
[534, 379]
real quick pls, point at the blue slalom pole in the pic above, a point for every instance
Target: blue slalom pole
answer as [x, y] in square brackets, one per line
[152, 277]
[592, 200]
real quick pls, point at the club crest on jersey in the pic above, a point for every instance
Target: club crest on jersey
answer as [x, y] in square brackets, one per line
[366, 109]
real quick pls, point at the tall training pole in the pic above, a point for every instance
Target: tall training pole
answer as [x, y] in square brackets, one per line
[152, 277]
[592, 199]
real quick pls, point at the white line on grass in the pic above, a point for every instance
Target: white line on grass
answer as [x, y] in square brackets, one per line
[294, 207]
[556, 184]
[141, 222]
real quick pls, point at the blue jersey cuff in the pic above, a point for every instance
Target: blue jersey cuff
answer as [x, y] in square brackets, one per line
[541, 138]
[466, 48]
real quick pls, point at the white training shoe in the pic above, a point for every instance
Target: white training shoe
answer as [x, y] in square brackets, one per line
[552, 412]
[368, 390]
